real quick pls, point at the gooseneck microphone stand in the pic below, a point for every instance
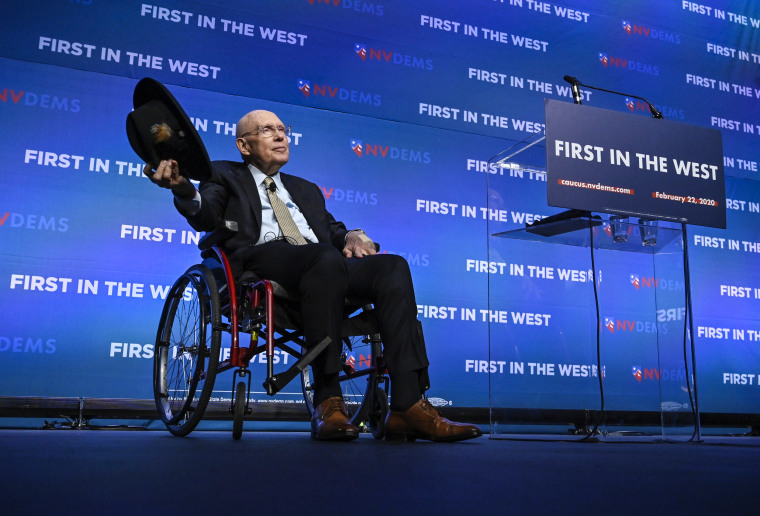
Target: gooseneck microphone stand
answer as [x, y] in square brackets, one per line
[575, 83]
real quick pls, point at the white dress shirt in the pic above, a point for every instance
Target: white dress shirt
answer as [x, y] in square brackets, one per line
[270, 229]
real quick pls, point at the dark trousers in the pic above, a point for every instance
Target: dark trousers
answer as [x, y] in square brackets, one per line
[323, 278]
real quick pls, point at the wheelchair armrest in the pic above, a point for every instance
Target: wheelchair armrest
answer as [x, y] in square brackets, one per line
[227, 230]
[221, 233]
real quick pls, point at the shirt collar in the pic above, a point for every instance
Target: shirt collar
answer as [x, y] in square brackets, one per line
[259, 177]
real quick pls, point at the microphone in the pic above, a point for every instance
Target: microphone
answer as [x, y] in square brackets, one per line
[576, 90]
[272, 187]
[575, 82]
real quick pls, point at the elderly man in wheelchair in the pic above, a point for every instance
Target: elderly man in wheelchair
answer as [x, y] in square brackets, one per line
[276, 260]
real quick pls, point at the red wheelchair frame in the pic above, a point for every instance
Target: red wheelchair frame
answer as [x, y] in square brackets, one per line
[207, 301]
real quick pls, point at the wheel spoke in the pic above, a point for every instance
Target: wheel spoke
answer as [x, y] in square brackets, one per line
[184, 373]
[358, 378]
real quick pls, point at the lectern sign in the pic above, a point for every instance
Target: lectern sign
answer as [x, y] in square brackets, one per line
[605, 161]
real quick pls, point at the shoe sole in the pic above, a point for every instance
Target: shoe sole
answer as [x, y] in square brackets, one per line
[345, 437]
[403, 437]
[348, 433]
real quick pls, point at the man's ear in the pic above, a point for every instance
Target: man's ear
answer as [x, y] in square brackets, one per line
[243, 147]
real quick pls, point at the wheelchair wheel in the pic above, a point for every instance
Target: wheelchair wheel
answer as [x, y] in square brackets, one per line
[360, 376]
[376, 413]
[241, 395]
[187, 350]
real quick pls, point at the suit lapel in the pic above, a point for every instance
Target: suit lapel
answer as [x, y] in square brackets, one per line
[304, 199]
[295, 190]
[245, 178]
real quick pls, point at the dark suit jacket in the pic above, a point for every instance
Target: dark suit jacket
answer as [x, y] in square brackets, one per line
[231, 194]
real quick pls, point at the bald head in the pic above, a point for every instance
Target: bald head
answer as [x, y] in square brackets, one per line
[251, 121]
[267, 153]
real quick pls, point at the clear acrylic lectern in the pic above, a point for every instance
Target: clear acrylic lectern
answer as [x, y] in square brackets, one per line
[588, 326]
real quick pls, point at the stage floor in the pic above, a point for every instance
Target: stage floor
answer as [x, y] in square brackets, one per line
[151, 472]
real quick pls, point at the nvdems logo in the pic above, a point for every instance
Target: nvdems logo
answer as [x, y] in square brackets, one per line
[27, 345]
[350, 196]
[668, 112]
[39, 100]
[641, 282]
[627, 64]
[34, 222]
[360, 148]
[305, 87]
[648, 32]
[357, 146]
[390, 57]
[657, 374]
[338, 94]
[359, 6]
[628, 326]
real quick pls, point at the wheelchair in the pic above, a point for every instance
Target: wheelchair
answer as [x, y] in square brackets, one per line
[207, 303]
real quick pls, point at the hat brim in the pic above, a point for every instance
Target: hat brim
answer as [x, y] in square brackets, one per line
[159, 129]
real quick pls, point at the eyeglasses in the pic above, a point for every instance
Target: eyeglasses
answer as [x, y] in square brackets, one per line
[267, 131]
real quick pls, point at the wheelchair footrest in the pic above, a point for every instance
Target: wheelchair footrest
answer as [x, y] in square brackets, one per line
[276, 382]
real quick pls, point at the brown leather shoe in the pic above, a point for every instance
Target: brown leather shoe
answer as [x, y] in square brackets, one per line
[422, 421]
[330, 422]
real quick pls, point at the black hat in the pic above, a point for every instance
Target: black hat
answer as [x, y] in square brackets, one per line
[159, 129]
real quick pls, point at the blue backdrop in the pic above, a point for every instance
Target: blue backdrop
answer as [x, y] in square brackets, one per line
[396, 106]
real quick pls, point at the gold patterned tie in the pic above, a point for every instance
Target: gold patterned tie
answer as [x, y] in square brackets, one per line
[282, 214]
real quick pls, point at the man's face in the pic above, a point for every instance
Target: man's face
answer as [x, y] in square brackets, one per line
[267, 154]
